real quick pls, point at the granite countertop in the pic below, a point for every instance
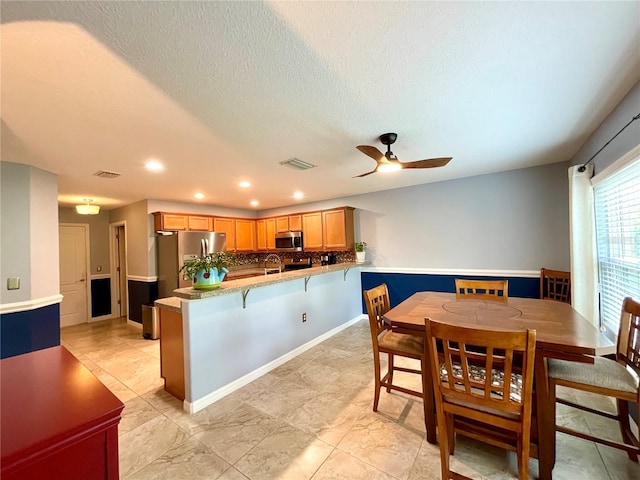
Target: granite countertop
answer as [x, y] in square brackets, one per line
[231, 286]
[170, 303]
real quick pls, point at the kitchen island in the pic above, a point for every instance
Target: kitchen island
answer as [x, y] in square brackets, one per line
[247, 327]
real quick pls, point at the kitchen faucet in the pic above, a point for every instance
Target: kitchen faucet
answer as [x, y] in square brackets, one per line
[272, 257]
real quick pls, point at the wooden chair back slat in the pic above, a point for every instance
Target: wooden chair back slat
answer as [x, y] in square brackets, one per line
[494, 290]
[555, 285]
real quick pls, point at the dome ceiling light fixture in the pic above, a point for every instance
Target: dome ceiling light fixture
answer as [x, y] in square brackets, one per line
[86, 208]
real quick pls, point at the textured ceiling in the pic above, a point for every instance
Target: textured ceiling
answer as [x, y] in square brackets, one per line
[223, 91]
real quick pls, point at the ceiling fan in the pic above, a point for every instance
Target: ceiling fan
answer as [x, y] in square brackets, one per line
[388, 162]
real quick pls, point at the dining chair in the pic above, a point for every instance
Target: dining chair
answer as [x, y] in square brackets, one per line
[497, 290]
[555, 285]
[494, 408]
[612, 378]
[394, 343]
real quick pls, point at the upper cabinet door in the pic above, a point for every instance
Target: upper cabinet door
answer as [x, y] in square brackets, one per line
[282, 224]
[337, 228]
[261, 234]
[312, 231]
[270, 224]
[245, 235]
[295, 223]
[199, 223]
[227, 225]
[169, 221]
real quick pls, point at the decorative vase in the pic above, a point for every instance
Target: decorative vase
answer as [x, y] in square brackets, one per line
[360, 256]
[208, 279]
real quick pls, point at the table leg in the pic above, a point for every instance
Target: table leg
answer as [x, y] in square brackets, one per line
[546, 424]
[429, 401]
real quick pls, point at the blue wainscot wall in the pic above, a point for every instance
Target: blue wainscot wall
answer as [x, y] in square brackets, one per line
[29, 330]
[402, 285]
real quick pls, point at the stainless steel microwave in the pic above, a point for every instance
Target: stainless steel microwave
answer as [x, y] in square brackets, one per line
[289, 241]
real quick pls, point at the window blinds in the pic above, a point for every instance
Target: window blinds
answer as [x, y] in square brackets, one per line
[617, 212]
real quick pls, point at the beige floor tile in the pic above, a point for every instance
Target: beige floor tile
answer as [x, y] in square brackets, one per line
[136, 412]
[340, 466]
[287, 454]
[191, 460]
[383, 444]
[313, 374]
[234, 434]
[283, 398]
[327, 417]
[144, 444]
[232, 474]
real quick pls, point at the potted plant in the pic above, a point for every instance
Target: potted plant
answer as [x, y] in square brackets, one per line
[206, 273]
[360, 251]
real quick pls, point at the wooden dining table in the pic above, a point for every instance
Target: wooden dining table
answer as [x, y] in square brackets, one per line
[561, 333]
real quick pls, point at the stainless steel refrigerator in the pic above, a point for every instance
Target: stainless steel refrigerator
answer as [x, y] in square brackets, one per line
[175, 248]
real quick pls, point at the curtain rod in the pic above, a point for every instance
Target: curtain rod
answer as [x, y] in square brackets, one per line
[584, 165]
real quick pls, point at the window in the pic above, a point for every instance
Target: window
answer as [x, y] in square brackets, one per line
[617, 213]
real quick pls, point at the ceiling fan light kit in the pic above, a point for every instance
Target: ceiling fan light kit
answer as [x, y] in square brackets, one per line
[388, 162]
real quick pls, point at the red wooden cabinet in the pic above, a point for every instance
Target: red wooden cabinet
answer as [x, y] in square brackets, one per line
[58, 421]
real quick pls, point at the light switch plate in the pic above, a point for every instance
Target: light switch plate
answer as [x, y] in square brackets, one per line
[13, 283]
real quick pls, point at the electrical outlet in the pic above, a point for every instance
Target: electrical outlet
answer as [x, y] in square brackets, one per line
[304, 317]
[13, 283]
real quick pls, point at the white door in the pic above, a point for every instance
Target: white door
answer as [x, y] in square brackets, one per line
[73, 275]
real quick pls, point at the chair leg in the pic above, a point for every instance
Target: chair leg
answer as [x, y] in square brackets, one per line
[390, 370]
[376, 368]
[523, 457]
[444, 441]
[625, 428]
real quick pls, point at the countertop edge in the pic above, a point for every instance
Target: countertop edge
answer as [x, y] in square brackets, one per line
[233, 286]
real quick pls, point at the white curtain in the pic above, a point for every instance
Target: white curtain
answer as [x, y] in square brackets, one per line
[584, 261]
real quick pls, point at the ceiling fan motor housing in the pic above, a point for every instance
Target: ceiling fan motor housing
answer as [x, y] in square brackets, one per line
[388, 138]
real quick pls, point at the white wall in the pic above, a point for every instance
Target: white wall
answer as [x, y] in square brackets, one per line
[141, 258]
[515, 220]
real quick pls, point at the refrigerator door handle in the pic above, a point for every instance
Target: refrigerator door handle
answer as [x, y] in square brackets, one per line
[204, 248]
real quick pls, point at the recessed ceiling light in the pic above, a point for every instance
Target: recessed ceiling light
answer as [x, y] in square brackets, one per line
[199, 195]
[298, 195]
[255, 203]
[244, 184]
[154, 165]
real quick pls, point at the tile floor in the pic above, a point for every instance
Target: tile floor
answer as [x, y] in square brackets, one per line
[310, 418]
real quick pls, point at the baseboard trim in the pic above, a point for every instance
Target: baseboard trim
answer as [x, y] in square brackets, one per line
[134, 324]
[193, 407]
[101, 318]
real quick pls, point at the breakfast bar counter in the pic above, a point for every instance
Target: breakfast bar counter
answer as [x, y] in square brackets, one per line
[215, 341]
[242, 284]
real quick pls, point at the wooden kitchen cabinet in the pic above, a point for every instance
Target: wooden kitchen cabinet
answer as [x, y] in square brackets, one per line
[228, 226]
[312, 231]
[199, 223]
[266, 233]
[169, 221]
[282, 224]
[337, 229]
[245, 235]
[261, 234]
[172, 352]
[295, 223]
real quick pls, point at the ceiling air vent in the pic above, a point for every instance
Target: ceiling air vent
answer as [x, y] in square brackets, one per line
[297, 164]
[107, 174]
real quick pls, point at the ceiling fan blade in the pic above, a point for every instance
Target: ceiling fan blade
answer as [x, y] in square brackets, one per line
[372, 152]
[368, 173]
[428, 163]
